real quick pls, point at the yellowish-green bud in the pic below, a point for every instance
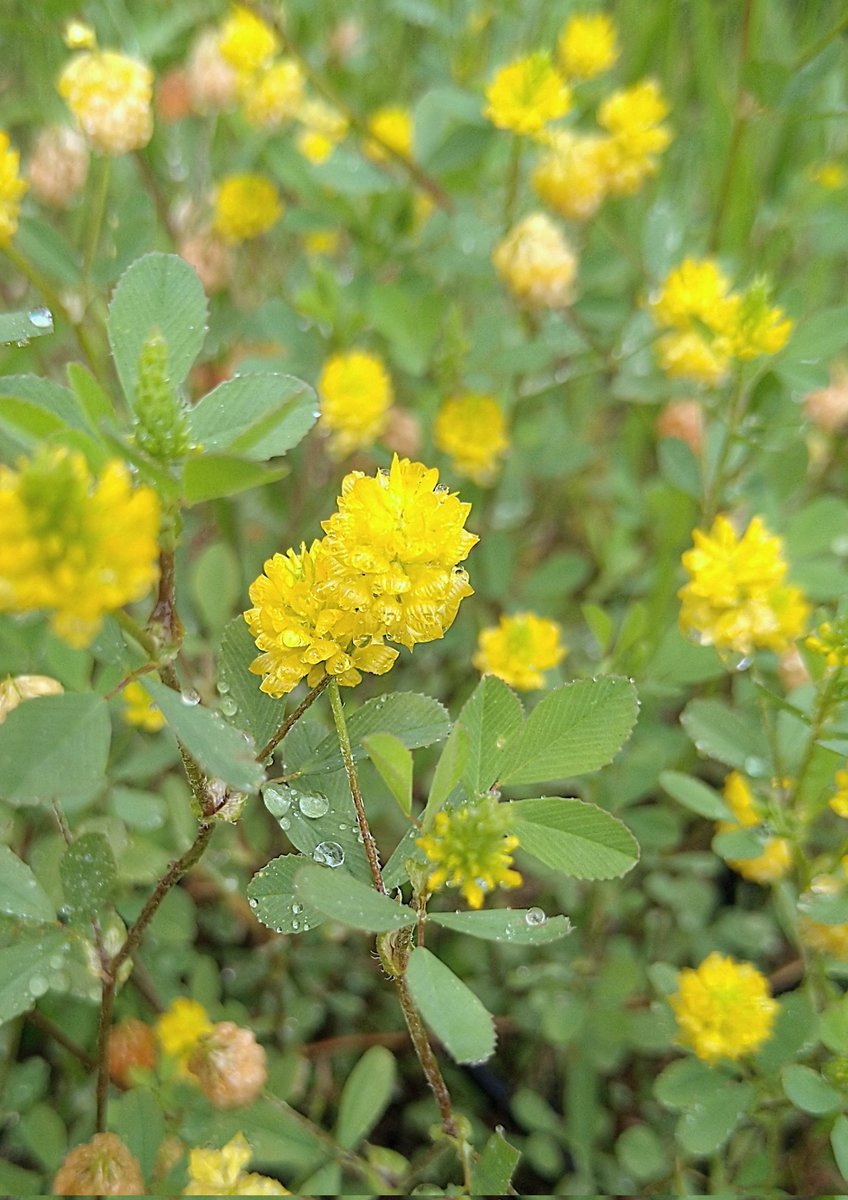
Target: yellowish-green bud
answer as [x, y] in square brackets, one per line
[161, 428]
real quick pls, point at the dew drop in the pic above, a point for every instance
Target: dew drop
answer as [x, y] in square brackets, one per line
[38, 985]
[313, 806]
[41, 318]
[535, 916]
[297, 908]
[229, 707]
[755, 767]
[190, 697]
[223, 687]
[253, 902]
[277, 800]
[285, 823]
[329, 854]
[295, 925]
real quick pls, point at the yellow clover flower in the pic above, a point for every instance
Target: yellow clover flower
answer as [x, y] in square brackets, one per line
[736, 598]
[471, 848]
[246, 206]
[526, 95]
[392, 125]
[12, 187]
[571, 176]
[111, 97]
[633, 117]
[776, 858]
[536, 263]
[78, 546]
[723, 1009]
[827, 939]
[221, 1173]
[831, 641]
[274, 94]
[356, 395]
[323, 128]
[839, 800]
[753, 327]
[139, 709]
[471, 428]
[519, 649]
[587, 45]
[245, 41]
[180, 1028]
[696, 290]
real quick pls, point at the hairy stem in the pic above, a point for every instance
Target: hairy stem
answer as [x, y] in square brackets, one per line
[427, 1057]
[293, 717]
[369, 845]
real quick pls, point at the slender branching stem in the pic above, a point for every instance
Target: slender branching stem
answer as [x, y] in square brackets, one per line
[292, 718]
[368, 843]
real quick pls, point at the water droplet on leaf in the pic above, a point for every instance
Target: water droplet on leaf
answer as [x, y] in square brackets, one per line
[535, 916]
[329, 854]
[313, 806]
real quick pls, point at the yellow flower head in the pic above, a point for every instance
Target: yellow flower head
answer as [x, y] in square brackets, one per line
[736, 598]
[356, 395]
[471, 428]
[181, 1027]
[695, 291]
[686, 354]
[324, 127]
[740, 800]
[392, 125]
[301, 630]
[274, 94]
[471, 848]
[839, 801]
[536, 263]
[831, 640]
[519, 649]
[571, 175]
[587, 45]
[723, 1009]
[246, 206]
[527, 94]
[318, 242]
[633, 117]
[139, 709]
[753, 326]
[12, 187]
[776, 858]
[395, 546]
[74, 545]
[246, 42]
[827, 939]
[221, 1173]
[829, 175]
[111, 97]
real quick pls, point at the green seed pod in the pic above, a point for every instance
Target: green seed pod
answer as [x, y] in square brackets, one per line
[161, 429]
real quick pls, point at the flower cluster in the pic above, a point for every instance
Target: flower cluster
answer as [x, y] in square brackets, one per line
[737, 598]
[471, 428]
[831, 641]
[102, 1167]
[139, 709]
[58, 165]
[519, 649]
[224, 1060]
[246, 206]
[709, 326]
[588, 45]
[78, 546]
[356, 395]
[537, 263]
[110, 95]
[386, 570]
[776, 857]
[222, 1173]
[322, 128]
[390, 127]
[470, 847]
[723, 1009]
[270, 88]
[527, 94]
[12, 187]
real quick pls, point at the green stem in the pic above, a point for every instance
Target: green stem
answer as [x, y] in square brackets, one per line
[371, 1176]
[132, 627]
[713, 489]
[512, 181]
[98, 211]
[740, 120]
[293, 717]
[810, 53]
[368, 843]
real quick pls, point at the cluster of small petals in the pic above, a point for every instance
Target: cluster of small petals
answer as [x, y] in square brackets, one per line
[322, 129]
[211, 257]
[536, 263]
[245, 41]
[302, 630]
[181, 1027]
[58, 165]
[736, 598]
[519, 649]
[776, 858]
[15, 689]
[77, 546]
[526, 95]
[633, 117]
[274, 94]
[827, 939]
[471, 848]
[828, 407]
[229, 1065]
[211, 80]
[686, 354]
[12, 187]
[753, 327]
[571, 175]
[471, 428]
[139, 709]
[723, 1009]
[394, 547]
[390, 127]
[356, 395]
[110, 95]
[222, 1173]
[132, 1047]
[831, 641]
[102, 1167]
[246, 206]
[684, 420]
[697, 290]
[587, 45]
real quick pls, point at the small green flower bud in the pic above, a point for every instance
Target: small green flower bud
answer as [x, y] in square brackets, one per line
[161, 428]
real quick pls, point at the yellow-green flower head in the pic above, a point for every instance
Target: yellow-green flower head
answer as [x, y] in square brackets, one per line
[776, 858]
[827, 939]
[246, 42]
[526, 95]
[633, 118]
[537, 263]
[395, 545]
[519, 649]
[221, 1173]
[110, 95]
[356, 395]
[323, 128]
[736, 598]
[180, 1028]
[12, 187]
[571, 175]
[471, 428]
[76, 546]
[301, 629]
[471, 848]
[392, 125]
[695, 291]
[246, 206]
[831, 640]
[753, 326]
[839, 800]
[139, 709]
[723, 1009]
[587, 45]
[686, 354]
[273, 95]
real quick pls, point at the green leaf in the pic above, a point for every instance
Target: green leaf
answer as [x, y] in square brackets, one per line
[575, 837]
[707, 1126]
[223, 752]
[394, 764]
[520, 926]
[687, 1082]
[89, 875]
[575, 729]
[458, 1019]
[211, 476]
[415, 720]
[737, 844]
[642, 1154]
[728, 735]
[25, 970]
[348, 174]
[59, 406]
[342, 898]
[159, 291]
[53, 747]
[216, 585]
[95, 402]
[448, 770]
[256, 416]
[808, 1091]
[491, 717]
[825, 909]
[492, 1174]
[695, 795]
[365, 1095]
[21, 895]
[260, 714]
[601, 625]
[834, 1026]
[796, 1031]
[271, 896]
[20, 327]
[839, 1144]
[137, 1118]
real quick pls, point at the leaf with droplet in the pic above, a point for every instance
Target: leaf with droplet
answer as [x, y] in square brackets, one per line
[271, 896]
[506, 925]
[89, 874]
[21, 895]
[261, 714]
[491, 718]
[25, 970]
[339, 896]
[257, 416]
